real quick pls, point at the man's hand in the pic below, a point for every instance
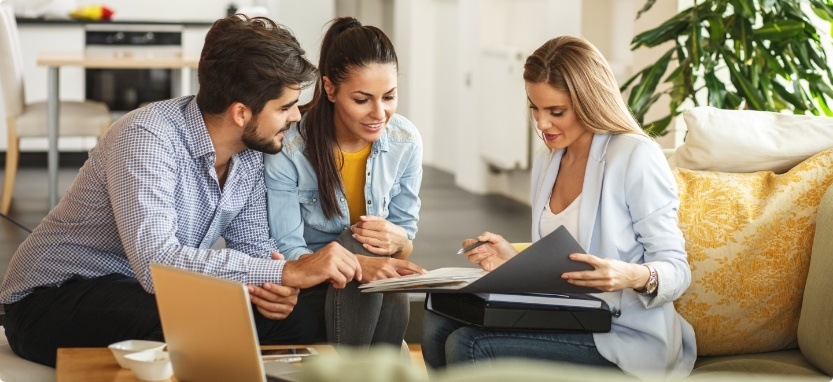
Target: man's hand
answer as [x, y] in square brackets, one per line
[333, 263]
[377, 268]
[273, 301]
[379, 236]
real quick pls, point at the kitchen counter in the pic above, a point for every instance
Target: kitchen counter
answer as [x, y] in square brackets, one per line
[47, 22]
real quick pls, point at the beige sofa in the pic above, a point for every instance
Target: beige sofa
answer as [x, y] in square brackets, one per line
[16, 369]
[814, 355]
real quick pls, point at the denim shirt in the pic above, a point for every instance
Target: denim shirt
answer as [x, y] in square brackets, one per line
[393, 178]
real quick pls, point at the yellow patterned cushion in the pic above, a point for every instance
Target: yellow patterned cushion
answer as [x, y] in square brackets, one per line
[749, 238]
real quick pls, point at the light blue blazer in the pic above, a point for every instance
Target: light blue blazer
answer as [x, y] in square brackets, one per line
[628, 211]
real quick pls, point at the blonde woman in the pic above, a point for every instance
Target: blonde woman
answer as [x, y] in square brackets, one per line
[610, 186]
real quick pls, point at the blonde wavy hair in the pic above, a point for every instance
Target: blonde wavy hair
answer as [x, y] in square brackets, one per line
[573, 65]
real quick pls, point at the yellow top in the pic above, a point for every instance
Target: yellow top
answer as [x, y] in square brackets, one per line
[353, 177]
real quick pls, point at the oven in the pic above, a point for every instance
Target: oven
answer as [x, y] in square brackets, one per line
[126, 89]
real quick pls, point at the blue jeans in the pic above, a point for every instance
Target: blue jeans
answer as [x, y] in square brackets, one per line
[446, 342]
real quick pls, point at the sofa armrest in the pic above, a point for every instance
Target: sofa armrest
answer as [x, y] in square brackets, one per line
[815, 327]
[520, 246]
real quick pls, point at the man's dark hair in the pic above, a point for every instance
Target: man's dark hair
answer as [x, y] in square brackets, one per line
[249, 60]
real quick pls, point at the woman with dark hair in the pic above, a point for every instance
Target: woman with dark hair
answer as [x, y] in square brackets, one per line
[352, 165]
[610, 186]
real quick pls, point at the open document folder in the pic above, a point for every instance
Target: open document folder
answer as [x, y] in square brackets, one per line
[536, 269]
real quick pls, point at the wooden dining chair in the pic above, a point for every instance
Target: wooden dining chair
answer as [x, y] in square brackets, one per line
[77, 118]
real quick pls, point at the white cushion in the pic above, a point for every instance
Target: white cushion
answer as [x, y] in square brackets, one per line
[16, 369]
[87, 118]
[749, 141]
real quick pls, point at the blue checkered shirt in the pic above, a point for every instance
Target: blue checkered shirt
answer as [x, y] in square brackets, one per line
[149, 193]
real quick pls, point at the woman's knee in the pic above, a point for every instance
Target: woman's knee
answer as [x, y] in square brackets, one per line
[436, 326]
[397, 306]
[467, 344]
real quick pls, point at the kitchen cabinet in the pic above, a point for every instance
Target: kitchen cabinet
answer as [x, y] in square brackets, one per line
[38, 36]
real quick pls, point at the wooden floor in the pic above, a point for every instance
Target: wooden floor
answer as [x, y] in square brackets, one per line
[416, 357]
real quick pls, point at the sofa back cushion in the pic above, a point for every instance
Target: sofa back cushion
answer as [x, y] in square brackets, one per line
[749, 238]
[748, 140]
[815, 330]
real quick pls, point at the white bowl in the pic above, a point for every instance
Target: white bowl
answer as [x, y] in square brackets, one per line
[150, 365]
[120, 349]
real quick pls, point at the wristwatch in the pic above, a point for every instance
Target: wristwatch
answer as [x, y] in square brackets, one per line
[651, 286]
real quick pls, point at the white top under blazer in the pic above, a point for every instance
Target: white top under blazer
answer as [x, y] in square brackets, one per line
[628, 211]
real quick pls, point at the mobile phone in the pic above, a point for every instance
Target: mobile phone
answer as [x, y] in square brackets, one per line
[269, 354]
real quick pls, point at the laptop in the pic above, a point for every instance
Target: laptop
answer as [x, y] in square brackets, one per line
[209, 328]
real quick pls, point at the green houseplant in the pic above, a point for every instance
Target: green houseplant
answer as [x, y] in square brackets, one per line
[731, 54]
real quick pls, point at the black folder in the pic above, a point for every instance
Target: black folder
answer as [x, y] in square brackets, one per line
[473, 310]
[537, 269]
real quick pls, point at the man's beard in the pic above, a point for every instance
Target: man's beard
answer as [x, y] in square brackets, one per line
[266, 145]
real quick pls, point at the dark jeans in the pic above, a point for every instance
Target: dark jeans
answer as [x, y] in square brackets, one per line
[354, 318]
[446, 342]
[103, 310]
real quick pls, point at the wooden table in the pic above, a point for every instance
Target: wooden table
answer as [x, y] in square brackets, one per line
[55, 60]
[98, 364]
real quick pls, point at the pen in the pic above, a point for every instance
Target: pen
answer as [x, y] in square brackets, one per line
[470, 247]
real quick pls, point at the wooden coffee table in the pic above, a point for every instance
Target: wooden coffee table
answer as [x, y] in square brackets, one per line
[98, 364]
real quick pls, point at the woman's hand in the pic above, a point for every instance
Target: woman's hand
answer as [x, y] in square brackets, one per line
[377, 268]
[608, 274]
[492, 254]
[381, 237]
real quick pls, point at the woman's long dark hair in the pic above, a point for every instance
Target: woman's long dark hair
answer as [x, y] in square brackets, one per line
[347, 45]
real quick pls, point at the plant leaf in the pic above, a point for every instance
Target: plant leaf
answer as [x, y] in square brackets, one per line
[733, 101]
[642, 91]
[751, 95]
[767, 4]
[716, 29]
[645, 8]
[822, 103]
[779, 30]
[766, 88]
[717, 90]
[774, 57]
[658, 128]
[788, 96]
[694, 44]
[822, 9]
[803, 57]
[744, 8]
[822, 87]
[773, 65]
[668, 30]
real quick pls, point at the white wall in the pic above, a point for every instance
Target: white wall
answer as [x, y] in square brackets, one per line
[307, 19]
[439, 42]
